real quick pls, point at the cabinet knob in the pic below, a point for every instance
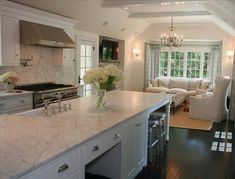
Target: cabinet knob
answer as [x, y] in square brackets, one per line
[138, 124]
[2, 104]
[115, 136]
[62, 168]
[95, 148]
[17, 55]
[22, 101]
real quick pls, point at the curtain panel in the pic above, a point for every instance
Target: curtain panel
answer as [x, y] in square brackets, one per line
[152, 59]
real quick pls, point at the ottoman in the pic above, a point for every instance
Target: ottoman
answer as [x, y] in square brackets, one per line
[176, 100]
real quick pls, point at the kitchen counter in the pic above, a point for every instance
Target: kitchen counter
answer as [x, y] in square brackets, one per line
[30, 140]
[5, 95]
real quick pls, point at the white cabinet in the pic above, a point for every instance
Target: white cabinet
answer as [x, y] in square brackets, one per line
[16, 104]
[10, 41]
[69, 54]
[135, 146]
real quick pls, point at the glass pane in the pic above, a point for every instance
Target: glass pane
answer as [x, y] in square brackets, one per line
[82, 64]
[82, 72]
[88, 87]
[88, 50]
[88, 62]
[88, 93]
[181, 55]
[83, 50]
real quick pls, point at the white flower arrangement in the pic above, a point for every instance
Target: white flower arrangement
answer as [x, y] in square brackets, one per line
[103, 78]
[9, 77]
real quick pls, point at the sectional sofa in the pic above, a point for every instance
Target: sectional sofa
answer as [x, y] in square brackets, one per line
[178, 85]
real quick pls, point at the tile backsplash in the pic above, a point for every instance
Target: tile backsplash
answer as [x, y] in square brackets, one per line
[44, 67]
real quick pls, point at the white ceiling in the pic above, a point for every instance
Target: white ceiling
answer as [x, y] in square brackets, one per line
[137, 15]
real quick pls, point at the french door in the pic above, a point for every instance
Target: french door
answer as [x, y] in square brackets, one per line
[86, 62]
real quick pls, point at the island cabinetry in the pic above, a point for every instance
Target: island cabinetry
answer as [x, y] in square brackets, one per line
[15, 104]
[68, 166]
[102, 143]
[135, 146]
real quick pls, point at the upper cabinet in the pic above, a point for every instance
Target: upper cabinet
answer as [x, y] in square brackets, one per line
[10, 41]
[10, 16]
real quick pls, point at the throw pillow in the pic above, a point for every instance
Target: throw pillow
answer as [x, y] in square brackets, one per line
[194, 84]
[205, 85]
[164, 82]
[179, 83]
[155, 83]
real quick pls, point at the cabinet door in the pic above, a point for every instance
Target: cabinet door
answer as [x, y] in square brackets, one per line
[130, 150]
[10, 41]
[135, 146]
[68, 54]
[141, 141]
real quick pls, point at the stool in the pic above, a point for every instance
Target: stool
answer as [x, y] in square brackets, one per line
[153, 139]
[161, 118]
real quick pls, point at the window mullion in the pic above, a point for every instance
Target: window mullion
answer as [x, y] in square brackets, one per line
[185, 64]
[201, 64]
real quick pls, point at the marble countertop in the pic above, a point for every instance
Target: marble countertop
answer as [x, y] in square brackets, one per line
[4, 94]
[27, 142]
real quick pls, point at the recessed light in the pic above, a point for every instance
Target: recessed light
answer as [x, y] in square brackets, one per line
[125, 8]
[105, 23]
[147, 19]
[196, 4]
[124, 28]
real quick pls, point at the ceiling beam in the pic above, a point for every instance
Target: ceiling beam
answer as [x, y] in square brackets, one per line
[168, 14]
[121, 3]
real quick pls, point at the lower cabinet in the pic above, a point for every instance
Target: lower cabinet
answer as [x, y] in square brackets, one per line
[118, 153]
[135, 146]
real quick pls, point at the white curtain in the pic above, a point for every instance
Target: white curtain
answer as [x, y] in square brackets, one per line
[152, 58]
[216, 59]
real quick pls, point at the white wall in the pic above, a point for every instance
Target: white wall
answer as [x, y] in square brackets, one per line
[134, 66]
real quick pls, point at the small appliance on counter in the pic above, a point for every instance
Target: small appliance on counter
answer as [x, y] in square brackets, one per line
[49, 91]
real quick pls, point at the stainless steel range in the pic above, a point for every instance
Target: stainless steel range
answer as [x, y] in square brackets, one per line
[49, 91]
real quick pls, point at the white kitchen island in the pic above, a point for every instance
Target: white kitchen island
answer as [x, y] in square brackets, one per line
[111, 142]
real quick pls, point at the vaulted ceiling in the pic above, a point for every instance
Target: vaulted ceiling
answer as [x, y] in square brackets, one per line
[126, 18]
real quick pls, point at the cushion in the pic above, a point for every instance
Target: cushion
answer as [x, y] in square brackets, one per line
[201, 91]
[156, 89]
[179, 83]
[177, 90]
[194, 84]
[205, 84]
[164, 82]
[155, 83]
[191, 93]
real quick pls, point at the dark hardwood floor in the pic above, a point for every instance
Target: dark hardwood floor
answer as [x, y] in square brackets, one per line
[188, 155]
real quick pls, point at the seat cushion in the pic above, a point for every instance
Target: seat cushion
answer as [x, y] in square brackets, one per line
[191, 93]
[179, 83]
[194, 84]
[157, 89]
[177, 90]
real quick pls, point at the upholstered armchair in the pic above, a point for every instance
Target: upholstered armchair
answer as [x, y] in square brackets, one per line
[211, 107]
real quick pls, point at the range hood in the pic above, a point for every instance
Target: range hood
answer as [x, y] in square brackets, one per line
[42, 35]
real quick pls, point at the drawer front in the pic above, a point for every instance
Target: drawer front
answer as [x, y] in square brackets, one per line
[16, 102]
[13, 110]
[63, 166]
[101, 144]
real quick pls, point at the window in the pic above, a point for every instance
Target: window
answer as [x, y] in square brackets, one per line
[188, 64]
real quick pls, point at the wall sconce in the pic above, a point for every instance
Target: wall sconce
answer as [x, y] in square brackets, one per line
[230, 54]
[136, 52]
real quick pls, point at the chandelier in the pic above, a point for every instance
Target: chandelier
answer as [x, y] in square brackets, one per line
[171, 39]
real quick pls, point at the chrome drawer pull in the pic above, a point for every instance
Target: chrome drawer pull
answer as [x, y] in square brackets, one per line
[95, 148]
[63, 168]
[2, 104]
[139, 124]
[115, 136]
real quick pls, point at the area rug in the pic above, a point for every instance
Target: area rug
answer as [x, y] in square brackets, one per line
[181, 119]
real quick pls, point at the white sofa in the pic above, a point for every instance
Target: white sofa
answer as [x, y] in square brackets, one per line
[178, 85]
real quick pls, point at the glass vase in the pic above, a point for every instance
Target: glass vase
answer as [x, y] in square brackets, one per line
[100, 98]
[9, 87]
